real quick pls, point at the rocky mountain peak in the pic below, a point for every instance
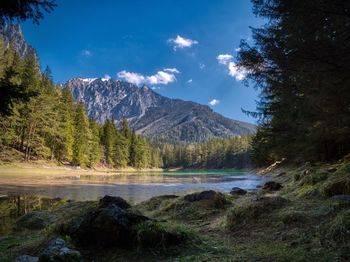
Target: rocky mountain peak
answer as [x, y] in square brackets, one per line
[12, 35]
[152, 114]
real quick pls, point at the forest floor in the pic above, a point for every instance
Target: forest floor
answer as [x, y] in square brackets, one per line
[307, 220]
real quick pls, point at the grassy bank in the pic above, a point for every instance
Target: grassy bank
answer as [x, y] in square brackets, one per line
[307, 220]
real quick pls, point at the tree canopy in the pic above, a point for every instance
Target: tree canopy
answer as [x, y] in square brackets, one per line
[300, 61]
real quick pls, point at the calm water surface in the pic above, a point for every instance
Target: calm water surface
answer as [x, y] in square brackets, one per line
[133, 187]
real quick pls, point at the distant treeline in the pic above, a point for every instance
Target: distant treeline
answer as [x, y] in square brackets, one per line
[216, 153]
[43, 121]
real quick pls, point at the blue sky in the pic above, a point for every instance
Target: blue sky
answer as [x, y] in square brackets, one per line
[174, 46]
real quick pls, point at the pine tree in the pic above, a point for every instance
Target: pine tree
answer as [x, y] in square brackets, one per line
[81, 137]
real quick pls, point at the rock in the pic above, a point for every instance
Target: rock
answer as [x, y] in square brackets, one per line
[115, 200]
[331, 169]
[272, 185]
[307, 172]
[26, 258]
[345, 198]
[34, 220]
[339, 187]
[236, 191]
[108, 226]
[57, 250]
[204, 195]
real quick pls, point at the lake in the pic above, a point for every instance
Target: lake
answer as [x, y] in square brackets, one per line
[134, 187]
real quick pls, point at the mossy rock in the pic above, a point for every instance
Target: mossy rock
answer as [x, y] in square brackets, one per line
[34, 220]
[293, 217]
[339, 187]
[313, 178]
[154, 234]
[245, 212]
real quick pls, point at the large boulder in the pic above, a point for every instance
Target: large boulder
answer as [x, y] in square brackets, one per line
[34, 220]
[58, 251]
[236, 191]
[272, 186]
[107, 226]
[115, 200]
[204, 195]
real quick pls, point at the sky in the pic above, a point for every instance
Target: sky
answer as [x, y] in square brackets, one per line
[180, 48]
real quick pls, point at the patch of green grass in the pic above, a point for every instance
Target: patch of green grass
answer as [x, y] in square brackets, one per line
[156, 235]
[336, 233]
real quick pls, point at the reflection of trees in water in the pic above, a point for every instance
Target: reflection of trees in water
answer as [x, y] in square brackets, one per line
[18, 205]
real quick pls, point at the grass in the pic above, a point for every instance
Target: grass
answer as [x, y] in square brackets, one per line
[301, 222]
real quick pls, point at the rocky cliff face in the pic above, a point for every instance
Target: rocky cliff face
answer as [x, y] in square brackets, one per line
[151, 114]
[12, 35]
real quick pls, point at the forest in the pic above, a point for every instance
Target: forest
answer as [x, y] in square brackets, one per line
[43, 121]
[300, 60]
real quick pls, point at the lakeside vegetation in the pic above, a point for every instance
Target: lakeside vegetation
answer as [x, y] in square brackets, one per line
[300, 61]
[301, 222]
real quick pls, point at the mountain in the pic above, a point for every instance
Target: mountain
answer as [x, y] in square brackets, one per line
[152, 114]
[12, 35]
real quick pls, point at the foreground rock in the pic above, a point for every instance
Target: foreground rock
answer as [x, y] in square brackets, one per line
[204, 195]
[117, 201]
[272, 186]
[106, 226]
[34, 220]
[58, 250]
[236, 191]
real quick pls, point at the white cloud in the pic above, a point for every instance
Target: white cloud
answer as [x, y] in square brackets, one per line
[214, 102]
[86, 53]
[189, 81]
[224, 58]
[162, 77]
[201, 66]
[131, 77]
[182, 42]
[172, 70]
[238, 73]
[237, 49]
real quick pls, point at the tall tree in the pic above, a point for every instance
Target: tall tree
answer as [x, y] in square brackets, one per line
[300, 62]
[81, 137]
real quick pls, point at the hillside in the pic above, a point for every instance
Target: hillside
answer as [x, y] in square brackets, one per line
[152, 114]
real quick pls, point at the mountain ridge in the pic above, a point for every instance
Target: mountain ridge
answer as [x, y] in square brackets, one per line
[151, 114]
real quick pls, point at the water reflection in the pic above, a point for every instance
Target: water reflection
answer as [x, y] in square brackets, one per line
[132, 187]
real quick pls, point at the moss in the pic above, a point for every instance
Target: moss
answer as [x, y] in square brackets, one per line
[339, 187]
[292, 217]
[245, 212]
[155, 234]
[314, 177]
